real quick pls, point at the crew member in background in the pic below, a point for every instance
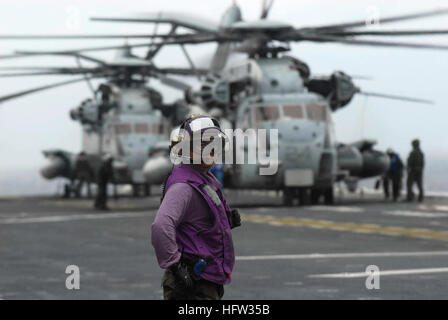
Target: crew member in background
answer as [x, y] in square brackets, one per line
[218, 172]
[105, 175]
[84, 174]
[415, 165]
[105, 91]
[393, 176]
[191, 233]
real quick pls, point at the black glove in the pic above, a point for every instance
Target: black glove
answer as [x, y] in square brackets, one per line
[182, 275]
[236, 218]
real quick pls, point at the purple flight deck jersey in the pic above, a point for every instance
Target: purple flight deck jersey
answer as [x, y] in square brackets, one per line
[194, 220]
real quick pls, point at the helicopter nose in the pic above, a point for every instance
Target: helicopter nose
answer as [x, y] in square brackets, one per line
[53, 167]
[156, 169]
[296, 130]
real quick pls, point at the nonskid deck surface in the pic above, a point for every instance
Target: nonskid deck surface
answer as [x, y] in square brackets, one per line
[311, 252]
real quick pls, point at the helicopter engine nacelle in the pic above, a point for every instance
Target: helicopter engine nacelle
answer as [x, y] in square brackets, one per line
[350, 159]
[361, 160]
[57, 164]
[375, 163]
[86, 113]
[213, 92]
[338, 88]
[53, 167]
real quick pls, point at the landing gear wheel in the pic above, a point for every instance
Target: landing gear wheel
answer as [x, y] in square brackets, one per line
[304, 197]
[67, 191]
[315, 195]
[77, 193]
[115, 192]
[287, 197]
[329, 195]
[147, 189]
[135, 190]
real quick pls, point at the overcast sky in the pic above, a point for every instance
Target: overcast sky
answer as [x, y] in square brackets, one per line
[41, 121]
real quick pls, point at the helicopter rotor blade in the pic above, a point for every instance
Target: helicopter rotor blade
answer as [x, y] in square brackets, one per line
[180, 19]
[220, 57]
[35, 71]
[183, 71]
[353, 76]
[83, 36]
[395, 97]
[38, 89]
[386, 33]
[28, 54]
[54, 69]
[31, 68]
[266, 7]
[360, 77]
[83, 70]
[180, 39]
[75, 51]
[186, 39]
[154, 49]
[263, 13]
[362, 23]
[174, 83]
[374, 43]
[39, 73]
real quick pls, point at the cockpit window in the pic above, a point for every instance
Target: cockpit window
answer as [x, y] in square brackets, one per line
[156, 128]
[266, 113]
[293, 111]
[123, 128]
[316, 112]
[141, 128]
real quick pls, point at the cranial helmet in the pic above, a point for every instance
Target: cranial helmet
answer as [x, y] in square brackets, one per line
[416, 143]
[199, 134]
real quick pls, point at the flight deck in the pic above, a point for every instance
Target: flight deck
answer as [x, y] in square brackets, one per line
[309, 252]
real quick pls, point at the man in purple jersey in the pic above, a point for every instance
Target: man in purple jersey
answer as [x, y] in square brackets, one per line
[191, 233]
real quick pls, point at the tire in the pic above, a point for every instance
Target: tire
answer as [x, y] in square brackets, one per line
[147, 188]
[304, 197]
[315, 196]
[66, 191]
[135, 190]
[287, 197]
[329, 195]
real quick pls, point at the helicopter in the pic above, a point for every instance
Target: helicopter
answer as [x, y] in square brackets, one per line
[272, 90]
[124, 118]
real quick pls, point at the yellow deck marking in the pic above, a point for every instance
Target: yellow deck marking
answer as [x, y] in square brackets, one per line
[354, 227]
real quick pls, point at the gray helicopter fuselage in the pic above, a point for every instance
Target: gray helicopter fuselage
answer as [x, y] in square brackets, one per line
[130, 130]
[127, 131]
[277, 99]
